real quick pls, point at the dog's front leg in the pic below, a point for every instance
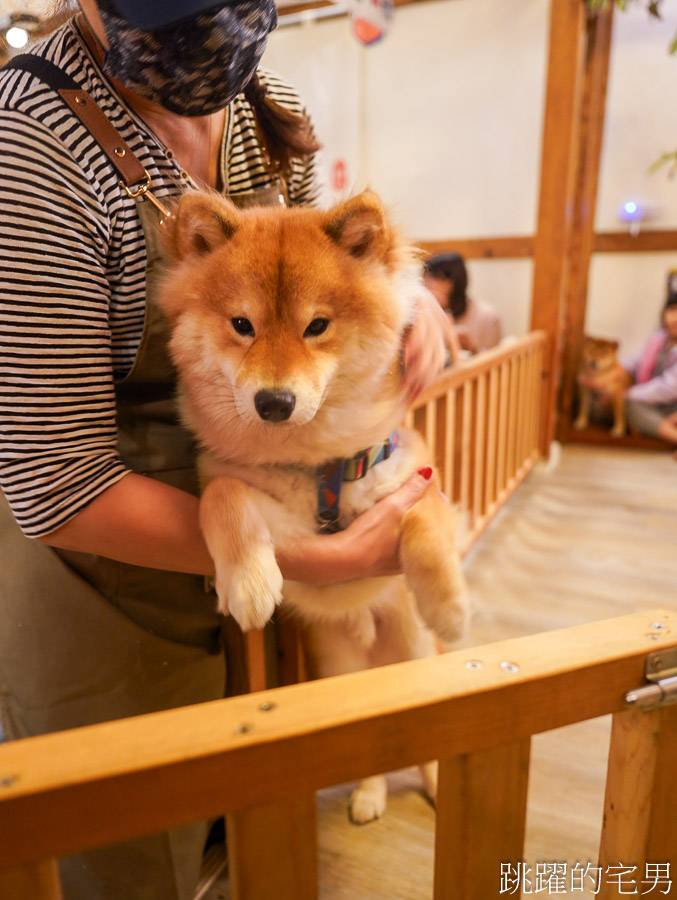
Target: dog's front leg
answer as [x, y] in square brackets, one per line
[248, 579]
[620, 425]
[584, 398]
[431, 563]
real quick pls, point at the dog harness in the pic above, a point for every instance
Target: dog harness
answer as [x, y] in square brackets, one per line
[331, 475]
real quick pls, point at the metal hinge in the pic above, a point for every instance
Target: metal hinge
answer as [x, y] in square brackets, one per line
[661, 672]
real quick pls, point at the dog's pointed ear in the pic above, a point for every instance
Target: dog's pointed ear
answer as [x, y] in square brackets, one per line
[360, 226]
[199, 224]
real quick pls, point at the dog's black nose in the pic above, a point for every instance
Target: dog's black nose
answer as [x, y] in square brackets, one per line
[274, 406]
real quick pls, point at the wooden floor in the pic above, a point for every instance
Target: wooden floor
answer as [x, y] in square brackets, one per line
[589, 536]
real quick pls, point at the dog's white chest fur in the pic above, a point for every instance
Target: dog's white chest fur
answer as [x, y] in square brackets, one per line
[287, 499]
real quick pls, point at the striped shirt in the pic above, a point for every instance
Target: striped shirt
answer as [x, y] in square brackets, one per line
[72, 275]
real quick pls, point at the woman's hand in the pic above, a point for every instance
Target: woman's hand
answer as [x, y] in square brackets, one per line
[369, 547]
[424, 352]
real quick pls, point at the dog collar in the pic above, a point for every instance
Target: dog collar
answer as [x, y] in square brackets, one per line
[331, 475]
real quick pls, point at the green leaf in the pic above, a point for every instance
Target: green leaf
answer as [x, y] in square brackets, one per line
[662, 160]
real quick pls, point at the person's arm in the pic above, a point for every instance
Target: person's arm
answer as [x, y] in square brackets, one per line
[57, 415]
[148, 523]
[662, 389]
[424, 352]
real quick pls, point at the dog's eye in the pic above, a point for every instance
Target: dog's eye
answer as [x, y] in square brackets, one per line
[243, 327]
[317, 326]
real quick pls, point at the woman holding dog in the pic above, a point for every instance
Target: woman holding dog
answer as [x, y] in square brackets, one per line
[104, 608]
[651, 402]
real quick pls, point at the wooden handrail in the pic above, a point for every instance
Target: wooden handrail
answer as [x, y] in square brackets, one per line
[478, 365]
[91, 786]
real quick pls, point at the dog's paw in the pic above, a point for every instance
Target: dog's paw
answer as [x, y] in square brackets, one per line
[250, 591]
[580, 424]
[368, 800]
[618, 431]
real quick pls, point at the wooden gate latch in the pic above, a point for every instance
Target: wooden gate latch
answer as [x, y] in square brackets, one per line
[661, 672]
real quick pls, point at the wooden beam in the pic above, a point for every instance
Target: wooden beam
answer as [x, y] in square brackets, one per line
[645, 242]
[87, 787]
[598, 47]
[290, 9]
[518, 247]
[522, 246]
[556, 196]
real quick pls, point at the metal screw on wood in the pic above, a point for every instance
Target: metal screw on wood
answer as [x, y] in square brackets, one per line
[474, 664]
[658, 626]
[510, 667]
[245, 728]
[8, 780]
[267, 706]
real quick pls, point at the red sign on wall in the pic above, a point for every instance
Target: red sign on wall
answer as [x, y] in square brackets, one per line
[339, 175]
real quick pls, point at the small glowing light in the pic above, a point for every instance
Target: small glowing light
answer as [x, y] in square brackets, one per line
[17, 37]
[630, 207]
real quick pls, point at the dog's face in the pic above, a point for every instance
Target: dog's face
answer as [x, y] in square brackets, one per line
[599, 355]
[278, 313]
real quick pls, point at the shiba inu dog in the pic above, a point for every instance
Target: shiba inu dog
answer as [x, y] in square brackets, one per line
[600, 374]
[287, 327]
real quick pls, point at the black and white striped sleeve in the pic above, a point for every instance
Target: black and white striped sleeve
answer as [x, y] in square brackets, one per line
[57, 406]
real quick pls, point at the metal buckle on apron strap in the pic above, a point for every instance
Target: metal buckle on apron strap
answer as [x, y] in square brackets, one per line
[142, 190]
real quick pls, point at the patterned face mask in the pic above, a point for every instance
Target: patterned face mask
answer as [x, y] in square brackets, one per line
[194, 67]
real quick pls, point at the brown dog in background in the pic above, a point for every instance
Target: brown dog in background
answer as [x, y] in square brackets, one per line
[287, 327]
[602, 377]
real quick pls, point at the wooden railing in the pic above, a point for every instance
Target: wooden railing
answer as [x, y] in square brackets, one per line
[481, 421]
[259, 758]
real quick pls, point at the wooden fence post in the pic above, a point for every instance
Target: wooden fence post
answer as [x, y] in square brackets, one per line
[481, 814]
[640, 801]
[39, 881]
[272, 851]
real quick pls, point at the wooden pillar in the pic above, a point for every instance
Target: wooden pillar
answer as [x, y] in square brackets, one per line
[599, 29]
[553, 240]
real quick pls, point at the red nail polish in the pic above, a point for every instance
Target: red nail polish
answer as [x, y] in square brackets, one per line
[426, 472]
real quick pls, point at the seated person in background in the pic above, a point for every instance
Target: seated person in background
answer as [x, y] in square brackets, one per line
[477, 324]
[651, 402]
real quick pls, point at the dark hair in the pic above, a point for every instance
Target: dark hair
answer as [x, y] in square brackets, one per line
[670, 302]
[451, 267]
[286, 135]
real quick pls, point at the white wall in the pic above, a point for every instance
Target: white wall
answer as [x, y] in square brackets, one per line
[443, 118]
[323, 62]
[454, 99]
[626, 291]
[428, 118]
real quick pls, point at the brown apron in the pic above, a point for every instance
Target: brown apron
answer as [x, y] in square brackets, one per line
[86, 639]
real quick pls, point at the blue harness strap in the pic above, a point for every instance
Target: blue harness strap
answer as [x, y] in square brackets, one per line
[331, 475]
